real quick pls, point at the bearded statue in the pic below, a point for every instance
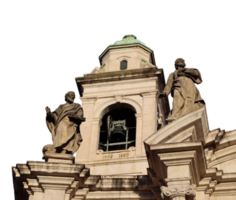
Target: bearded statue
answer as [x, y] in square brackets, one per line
[64, 125]
[180, 84]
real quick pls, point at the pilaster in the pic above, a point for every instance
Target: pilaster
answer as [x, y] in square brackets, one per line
[139, 142]
[149, 114]
[49, 180]
[85, 128]
[94, 140]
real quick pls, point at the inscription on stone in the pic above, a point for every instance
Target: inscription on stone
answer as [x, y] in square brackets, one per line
[123, 155]
[108, 156]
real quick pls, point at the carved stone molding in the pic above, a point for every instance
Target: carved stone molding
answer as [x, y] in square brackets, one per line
[97, 121]
[160, 119]
[91, 100]
[208, 154]
[118, 98]
[99, 151]
[149, 94]
[139, 116]
[179, 193]
[132, 148]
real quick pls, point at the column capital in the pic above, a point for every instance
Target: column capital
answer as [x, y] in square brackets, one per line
[97, 121]
[174, 193]
[138, 115]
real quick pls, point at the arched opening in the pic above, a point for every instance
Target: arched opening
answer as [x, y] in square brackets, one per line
[118, 130]
[123, 65]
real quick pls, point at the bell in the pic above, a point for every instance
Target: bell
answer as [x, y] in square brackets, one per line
[118, 130]
[118, 134]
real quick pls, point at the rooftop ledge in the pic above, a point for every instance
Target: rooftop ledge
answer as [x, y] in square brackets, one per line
[118, 75]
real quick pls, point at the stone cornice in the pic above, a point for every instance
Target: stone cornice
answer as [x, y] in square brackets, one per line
[221, 156]
[219, 139]
[74, 179]
[197, 118]
[119, 75]
[126, 93]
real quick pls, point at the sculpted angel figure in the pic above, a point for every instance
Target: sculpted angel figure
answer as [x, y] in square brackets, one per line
[64, 125]
[180, 84]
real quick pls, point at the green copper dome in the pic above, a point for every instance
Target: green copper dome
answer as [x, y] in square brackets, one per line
[129, 39]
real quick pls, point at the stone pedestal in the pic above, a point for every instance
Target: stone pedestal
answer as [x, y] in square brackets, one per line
[59, 158]
[56, 179]
[56, 187]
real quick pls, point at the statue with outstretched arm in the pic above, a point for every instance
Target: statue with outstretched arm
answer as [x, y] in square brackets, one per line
[64, 125]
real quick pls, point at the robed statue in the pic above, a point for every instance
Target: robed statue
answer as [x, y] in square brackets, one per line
[180, 84]
[64, 125]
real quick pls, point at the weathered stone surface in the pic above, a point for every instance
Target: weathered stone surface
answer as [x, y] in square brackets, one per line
[64, 124]
[180, 84]
[179, 193]
[182, 160]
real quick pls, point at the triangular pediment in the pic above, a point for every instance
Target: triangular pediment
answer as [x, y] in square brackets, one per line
[190, 127]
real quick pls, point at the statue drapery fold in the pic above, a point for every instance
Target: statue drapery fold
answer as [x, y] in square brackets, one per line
[64, 128]
[182, 88]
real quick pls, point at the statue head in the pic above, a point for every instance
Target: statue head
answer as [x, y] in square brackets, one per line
[179, 63]
[69, 97]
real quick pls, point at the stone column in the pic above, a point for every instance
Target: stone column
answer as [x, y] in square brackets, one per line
[97, 122]
[179, 193]
[182, 171]
[149, 114]
[139, 143]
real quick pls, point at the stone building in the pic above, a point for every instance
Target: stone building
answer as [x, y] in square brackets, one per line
[130, 150]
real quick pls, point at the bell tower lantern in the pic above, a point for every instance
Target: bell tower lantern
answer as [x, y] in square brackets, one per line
[121, 107]
[129, 53]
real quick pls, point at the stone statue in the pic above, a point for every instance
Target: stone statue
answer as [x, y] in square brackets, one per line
[64, 125]
[180, 84]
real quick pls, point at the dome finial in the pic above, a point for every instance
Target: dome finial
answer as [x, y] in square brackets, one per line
[129, 34]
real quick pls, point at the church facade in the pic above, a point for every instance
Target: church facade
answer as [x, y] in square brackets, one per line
[130, 150]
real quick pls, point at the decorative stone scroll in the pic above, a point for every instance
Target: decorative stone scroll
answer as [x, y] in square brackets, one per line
[179, 193]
